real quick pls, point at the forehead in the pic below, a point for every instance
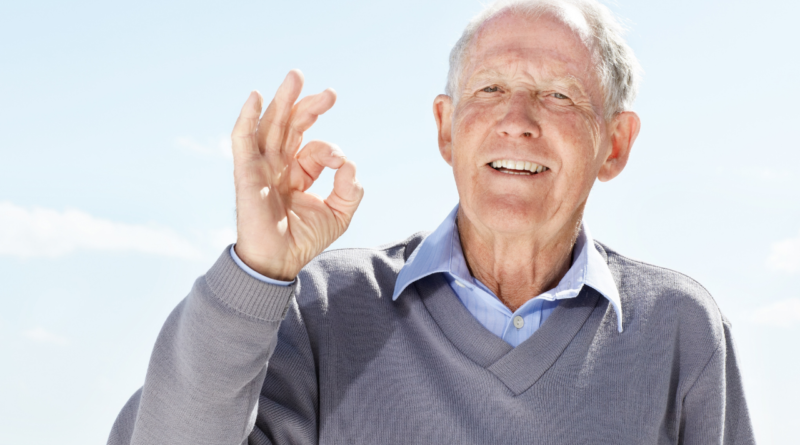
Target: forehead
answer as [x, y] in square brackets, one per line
[542, 44]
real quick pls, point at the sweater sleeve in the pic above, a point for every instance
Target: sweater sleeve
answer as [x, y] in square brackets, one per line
[288, 409]
[714, 409]
[208, 364]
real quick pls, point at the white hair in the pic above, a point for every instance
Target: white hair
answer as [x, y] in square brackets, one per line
[597, 27]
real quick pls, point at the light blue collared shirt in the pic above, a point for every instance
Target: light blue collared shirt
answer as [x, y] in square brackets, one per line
[255, 274]
[441, 252]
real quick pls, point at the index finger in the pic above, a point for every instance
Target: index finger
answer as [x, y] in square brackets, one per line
[243, 135]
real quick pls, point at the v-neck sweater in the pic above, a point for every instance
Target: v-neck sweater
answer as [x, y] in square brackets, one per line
[441, 252]
[334, 360]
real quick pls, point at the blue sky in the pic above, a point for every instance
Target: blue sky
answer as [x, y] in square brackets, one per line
[116, 180]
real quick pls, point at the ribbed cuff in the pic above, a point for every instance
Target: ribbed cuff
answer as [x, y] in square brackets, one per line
[234, 287]
[255, 274]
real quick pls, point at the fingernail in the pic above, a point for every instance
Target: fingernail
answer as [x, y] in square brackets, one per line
[296, 71]
[336, 151]
[254, 98]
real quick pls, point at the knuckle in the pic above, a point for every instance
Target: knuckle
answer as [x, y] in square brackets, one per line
[297, 125]
[279, 122]
[244, 125]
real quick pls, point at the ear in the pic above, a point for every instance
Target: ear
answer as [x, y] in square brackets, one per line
[443, 113]
[624, 129]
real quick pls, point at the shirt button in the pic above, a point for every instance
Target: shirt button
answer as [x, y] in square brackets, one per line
[519, 322]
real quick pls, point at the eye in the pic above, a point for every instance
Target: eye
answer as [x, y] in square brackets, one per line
[560, 96]
[492, 89]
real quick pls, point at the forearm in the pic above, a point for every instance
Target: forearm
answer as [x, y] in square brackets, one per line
[209, 362]
[715, 409]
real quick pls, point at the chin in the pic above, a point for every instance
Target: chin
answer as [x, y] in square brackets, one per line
[508, 213]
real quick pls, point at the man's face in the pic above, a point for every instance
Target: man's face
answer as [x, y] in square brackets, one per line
[529, 92]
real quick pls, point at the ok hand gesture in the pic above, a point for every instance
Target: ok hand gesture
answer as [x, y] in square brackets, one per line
[281, 227]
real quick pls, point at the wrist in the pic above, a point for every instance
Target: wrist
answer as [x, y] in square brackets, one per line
[262, 265]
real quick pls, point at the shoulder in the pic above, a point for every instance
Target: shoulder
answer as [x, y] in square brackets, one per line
[357, 270]
[666, 301]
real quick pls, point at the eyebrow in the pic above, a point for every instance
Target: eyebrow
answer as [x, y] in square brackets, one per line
[569, 81]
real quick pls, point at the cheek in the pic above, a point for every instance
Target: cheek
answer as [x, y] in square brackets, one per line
[577, 134]
[470, 128]
[474, 120]
[465, 140]
[576, 137]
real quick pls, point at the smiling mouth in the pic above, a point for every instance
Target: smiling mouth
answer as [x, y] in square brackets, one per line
[517, 167]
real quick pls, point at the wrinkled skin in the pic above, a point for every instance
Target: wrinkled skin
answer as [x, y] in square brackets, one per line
[529, 91]
[281, 226]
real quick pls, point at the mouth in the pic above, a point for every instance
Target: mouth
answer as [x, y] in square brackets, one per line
[512, 167]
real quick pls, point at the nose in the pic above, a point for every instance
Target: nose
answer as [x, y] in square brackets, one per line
[519, 120]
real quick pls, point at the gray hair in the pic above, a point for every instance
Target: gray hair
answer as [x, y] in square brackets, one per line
[617, 66]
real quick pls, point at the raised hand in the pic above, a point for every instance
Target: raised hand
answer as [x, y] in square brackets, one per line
[281, 227]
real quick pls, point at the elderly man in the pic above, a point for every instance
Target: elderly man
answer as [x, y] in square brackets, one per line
[508, 324]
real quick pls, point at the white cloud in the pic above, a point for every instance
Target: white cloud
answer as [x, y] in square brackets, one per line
[40, 335]
[785, 313]
[220, 146]
[42, 232]
[785, 255]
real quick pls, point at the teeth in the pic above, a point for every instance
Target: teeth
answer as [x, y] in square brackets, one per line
[521, 166]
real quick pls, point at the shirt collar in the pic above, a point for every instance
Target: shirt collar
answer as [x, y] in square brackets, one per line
[431, 256]
[441, 252]
[592, 270]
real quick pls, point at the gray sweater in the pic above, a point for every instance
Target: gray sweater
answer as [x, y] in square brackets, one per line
[241, 361]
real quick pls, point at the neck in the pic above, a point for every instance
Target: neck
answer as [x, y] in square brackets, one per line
[518, 267]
